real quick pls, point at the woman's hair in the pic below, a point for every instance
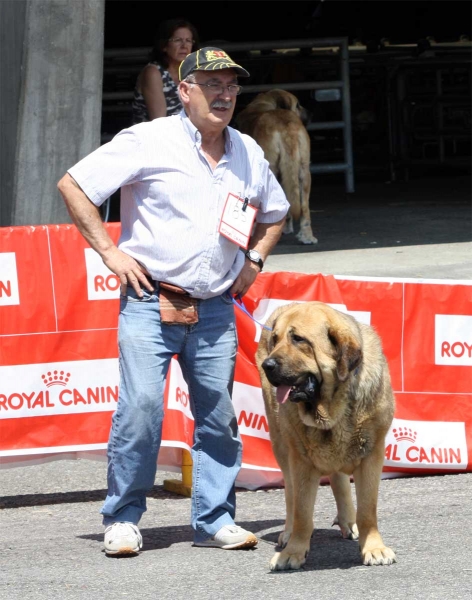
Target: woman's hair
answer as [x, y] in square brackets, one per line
[164, 33]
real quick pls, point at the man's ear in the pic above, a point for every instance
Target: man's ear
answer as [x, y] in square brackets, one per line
[183, 91]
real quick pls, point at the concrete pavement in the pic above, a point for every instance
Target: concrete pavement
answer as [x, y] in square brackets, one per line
[420, 229]
[51, 538]
[437, 261]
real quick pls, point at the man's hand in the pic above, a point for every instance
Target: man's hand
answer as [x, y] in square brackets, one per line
[245, 279]
[128, 270]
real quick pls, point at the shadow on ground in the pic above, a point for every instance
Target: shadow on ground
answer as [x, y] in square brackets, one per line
[328, 549]
[157, 538]
[73, 497]
[432, 210]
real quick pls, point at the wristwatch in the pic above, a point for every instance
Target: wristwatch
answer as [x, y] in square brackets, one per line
[254, 257]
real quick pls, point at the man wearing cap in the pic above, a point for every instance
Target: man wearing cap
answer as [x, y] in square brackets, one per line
[200, 212]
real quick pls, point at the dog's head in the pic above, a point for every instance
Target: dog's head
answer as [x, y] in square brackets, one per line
[286, 100]
[312, 351]
[280, 99]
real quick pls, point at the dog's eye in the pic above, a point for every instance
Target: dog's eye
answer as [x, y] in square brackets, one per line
[298, 339]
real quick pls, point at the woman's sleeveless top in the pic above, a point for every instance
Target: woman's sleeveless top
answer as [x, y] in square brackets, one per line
[139, 112]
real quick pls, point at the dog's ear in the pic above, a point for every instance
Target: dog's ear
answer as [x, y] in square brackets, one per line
[348, 352]
[271, 339]
[282, 99]
[266, 340]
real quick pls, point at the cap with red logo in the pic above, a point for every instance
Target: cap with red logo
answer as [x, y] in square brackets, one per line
[209, 59]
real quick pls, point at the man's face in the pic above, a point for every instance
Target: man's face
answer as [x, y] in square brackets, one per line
[209, 108]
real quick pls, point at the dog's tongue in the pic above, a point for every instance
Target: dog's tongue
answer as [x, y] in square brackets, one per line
[282, 393]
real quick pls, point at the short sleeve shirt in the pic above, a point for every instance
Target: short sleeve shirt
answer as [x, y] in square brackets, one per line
[172, 201]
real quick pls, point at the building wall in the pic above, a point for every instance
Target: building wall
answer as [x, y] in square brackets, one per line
[52, 106]
[12, 27]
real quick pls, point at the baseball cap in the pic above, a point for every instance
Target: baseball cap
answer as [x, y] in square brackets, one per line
[209, 59]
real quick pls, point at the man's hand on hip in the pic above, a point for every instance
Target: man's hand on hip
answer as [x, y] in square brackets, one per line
[128, 270]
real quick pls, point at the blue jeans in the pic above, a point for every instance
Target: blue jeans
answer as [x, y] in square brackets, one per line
[206, 353]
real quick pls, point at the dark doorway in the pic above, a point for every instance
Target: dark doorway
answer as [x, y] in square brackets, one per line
[410, 74]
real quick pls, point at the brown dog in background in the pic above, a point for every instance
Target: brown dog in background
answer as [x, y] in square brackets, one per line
[275, 120]
[329, 403]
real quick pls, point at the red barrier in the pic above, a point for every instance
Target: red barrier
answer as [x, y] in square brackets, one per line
[59, 373]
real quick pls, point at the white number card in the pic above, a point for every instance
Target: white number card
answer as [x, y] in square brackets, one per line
[237, 220]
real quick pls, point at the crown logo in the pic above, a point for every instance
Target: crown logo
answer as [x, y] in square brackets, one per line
[55, 378]
[404, 433]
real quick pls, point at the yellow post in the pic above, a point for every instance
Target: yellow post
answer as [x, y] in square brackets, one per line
[183, 487]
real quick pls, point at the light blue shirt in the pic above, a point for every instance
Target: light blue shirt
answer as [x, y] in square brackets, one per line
[172, 201]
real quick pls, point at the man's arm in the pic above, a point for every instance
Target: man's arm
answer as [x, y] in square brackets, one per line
[86, 217]
[264, 238]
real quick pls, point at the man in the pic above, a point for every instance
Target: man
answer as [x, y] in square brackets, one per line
[190, 188]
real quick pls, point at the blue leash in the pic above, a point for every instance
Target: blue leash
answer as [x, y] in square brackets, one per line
[241, 306]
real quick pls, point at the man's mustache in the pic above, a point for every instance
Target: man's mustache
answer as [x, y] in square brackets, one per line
[221, 104]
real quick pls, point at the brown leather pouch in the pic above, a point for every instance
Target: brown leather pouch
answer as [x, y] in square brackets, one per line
[176, 306]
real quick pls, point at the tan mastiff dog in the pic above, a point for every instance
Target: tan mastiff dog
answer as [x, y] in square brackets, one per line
[329, 403]
[276, 120]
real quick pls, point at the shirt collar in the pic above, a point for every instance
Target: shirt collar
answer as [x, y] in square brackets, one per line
[196, 137]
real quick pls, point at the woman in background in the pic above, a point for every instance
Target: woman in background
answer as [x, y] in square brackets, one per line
[155, 94]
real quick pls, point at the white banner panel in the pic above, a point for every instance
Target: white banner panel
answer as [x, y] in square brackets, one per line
[426, 445]
[58, 388]
[9, 293]
[453, 340]
[102, 284]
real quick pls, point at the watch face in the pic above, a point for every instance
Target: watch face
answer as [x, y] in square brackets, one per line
[255, 257]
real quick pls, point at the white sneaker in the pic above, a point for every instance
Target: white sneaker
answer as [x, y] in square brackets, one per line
[122, 538]
[230, 537]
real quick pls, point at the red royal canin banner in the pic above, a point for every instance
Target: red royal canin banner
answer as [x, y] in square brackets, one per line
[59, 366]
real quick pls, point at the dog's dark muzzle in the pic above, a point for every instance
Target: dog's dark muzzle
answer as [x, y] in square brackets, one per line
[305, 392]
[275, 373]
[303, 389]
[306, 116]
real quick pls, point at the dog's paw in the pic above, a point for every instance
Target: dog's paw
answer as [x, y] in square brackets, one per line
[288, 227]
[283, 539]
[306, 238]
[283, 561]
[379, 556]
[349, 531]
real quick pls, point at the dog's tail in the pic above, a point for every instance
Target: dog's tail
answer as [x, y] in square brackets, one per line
[296, 181]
